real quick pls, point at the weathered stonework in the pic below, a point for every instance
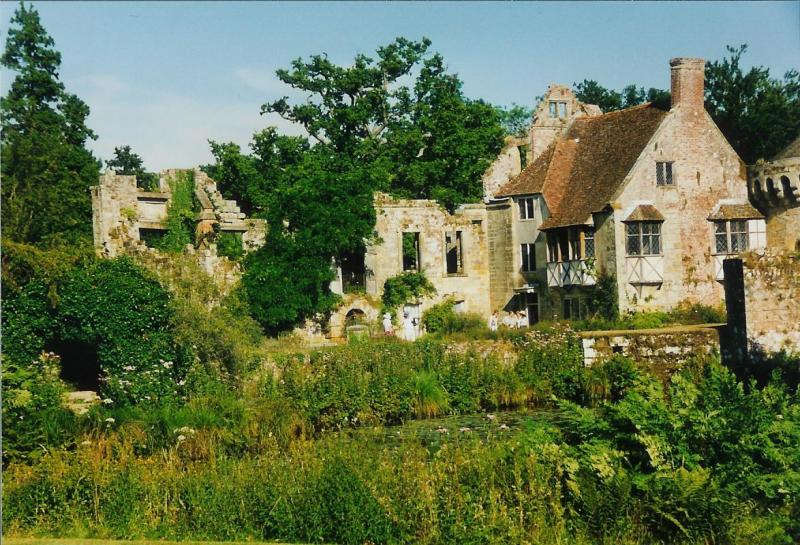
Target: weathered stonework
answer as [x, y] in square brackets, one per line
[121, 212]
[663, 350]
[772, 300]
[773, 189]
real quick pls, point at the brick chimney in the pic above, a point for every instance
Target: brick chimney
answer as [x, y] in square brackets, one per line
[687, 82]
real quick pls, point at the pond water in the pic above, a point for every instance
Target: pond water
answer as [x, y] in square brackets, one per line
[433, 432]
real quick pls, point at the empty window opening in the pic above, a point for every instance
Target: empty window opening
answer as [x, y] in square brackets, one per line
[80, 366]
[643, 238]
[664, 173]
[528, 252]
[730, 237]
[523, 156]
[562, 109]
[454, 252]
[354, 274]
[411, 257]
[526, 208]
[151, 237]
[553, 108]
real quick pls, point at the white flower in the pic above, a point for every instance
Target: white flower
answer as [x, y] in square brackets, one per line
[167, 364]
[129, 368]
[108, 401]
[503, 427]
[464, 429]
[181, 438]
[110, 420]
[86, 443]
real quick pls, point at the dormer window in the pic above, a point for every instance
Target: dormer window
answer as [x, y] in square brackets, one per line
[643, 238]
[664, 173]
[730, 237]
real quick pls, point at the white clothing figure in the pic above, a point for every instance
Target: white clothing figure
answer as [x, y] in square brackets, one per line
[493, 321]
[509, 321]
[388, 328]
[408, 327]
[522, 319]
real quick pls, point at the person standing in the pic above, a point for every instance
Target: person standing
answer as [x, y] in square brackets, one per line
[388, 328]
[408, 327]
[522, 319]
[494, 321]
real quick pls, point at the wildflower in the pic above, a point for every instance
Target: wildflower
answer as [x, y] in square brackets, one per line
[108, 401]
[86, 443]
[129, 368]
[503, 427]
[167, 364]
[442, 430]
[464, 429]
[110, 420]
[491, 416]
[181, 438]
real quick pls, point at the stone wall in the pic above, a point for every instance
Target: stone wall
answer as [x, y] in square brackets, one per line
[506, 166]
[773, 189]
[772, 300]
[385, 259]
[663, 350]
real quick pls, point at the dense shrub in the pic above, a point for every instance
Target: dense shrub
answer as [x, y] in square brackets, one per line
[183, 208]
[443, 319]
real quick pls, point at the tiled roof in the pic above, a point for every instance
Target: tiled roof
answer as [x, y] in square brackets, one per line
[530, 180]
[792, 150]
[736, 212]
[645, 212]
[580, 173]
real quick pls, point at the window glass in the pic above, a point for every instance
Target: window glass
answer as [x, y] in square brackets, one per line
[664, 173]
[526, 208]
[738, 230]
[588, 244]
[634, 234]
[643, 238]
[528, 257]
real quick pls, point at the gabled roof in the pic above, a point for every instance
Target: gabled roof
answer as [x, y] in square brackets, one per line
[645, 212]
[581, 171]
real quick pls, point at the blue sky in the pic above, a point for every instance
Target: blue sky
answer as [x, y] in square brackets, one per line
[165, 77]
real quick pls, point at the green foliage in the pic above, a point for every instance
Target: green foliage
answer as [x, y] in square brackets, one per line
[405, 287]
[591, 92]
[181, 214]
[443, 319]
[33, 417]
[230, 245]
[128, 163]
[515, 119]
[429, 397]
[758, 114]
[46, 168]
[602, 300]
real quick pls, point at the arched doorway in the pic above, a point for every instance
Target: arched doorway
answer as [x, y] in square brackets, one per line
[355, 316]
[80, 366]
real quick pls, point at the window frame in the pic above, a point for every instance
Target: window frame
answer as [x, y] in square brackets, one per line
[743, 236]
[665, 172]
[526, 207]
[529, 259]
[588, 237]
[644, 238]
[570, 304]
[417, 267]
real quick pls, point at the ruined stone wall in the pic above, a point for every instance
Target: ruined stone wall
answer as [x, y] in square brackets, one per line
[506, 166]
[772, 300]
[385, 259]
[706, 170]
[546, 128]
[663, 350]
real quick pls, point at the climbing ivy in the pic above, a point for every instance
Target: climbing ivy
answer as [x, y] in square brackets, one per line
[399, 290]
[181, 215]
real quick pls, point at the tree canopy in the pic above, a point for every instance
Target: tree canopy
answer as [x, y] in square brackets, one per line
[367, 132]
[46, 167]
[128, 163]
[758, 114]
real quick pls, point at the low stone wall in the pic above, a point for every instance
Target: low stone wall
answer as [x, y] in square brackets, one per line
[772, 300]
[662, 349]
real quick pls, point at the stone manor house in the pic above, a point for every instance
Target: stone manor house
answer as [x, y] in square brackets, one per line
[651, 196]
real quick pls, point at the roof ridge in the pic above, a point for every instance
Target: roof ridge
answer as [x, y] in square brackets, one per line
[606, 115]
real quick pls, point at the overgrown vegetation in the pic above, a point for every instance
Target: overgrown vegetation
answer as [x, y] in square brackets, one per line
[404, 288]
[181, 214]
[442, 319]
